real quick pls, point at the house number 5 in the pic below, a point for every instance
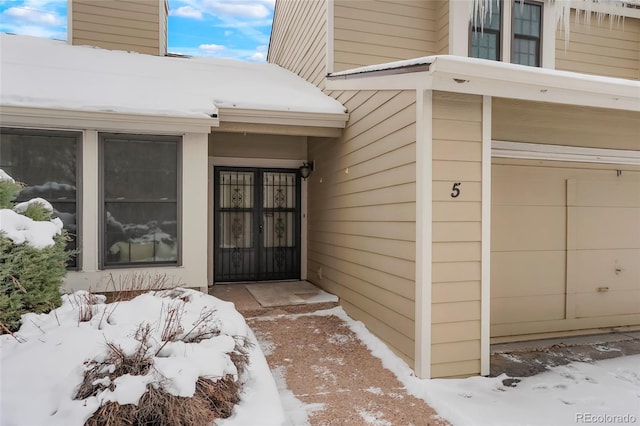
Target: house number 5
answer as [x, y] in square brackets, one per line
[455, 191]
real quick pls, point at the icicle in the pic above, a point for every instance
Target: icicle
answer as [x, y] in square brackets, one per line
[478, 10]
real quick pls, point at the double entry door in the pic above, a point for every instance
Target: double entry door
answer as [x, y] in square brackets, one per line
[257, 224]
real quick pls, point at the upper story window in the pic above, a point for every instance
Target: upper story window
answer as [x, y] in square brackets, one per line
[511, 29]
[527, 27]
[485, 37]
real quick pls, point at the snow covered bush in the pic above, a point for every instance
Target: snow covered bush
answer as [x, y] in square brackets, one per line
[32, 255]
[168, 357]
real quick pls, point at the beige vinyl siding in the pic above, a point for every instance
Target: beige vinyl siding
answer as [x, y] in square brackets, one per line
[164, 22]
[457, 239]
[361, 214]
[250, 145]
[559, 232]
[442, 43]
[555, 124]
[299, 38]
[119, 24]
[609, 47]
[373, 32]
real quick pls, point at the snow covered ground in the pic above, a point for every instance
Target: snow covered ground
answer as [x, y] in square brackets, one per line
[603, 392]
[43, 366]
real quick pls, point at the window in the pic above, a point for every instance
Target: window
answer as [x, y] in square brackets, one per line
[140, 199]
[514, 26]
[527, 25]
[485, 35]
[46, 162]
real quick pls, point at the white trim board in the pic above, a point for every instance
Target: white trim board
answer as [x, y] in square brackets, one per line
[533, 151]
[485, 283]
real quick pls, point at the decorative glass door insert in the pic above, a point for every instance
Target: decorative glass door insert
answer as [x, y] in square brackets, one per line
[257, 224]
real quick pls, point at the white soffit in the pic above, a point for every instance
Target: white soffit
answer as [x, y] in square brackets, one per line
[532, 151]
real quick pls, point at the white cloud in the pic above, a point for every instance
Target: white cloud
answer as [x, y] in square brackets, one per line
[211, 49]
[258, 57]
[228, 33]
[27, 15]
[245, 9]
[186, 12]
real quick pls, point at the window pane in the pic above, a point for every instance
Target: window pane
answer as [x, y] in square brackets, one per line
[140, 200]
[484, 46]
[279, 190]
[46, 163]
[525, 52]
[526, 19]
[140, 169]
[485, 38]
[236, 190]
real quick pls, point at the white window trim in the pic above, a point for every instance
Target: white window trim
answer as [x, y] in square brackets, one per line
[459, 22]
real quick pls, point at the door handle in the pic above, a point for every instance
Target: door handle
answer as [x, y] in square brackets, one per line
[260, 228]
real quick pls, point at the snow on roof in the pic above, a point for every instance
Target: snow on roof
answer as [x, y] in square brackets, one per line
[45, 73]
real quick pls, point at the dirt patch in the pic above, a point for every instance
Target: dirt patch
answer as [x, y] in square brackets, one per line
[529, 362]
[325, 364]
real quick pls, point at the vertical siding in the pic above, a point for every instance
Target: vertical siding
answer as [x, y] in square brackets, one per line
[298, 38]
[442, 44]
[604, 47]
[456, 275]
[361, 214]
[118, 24]
[373, 32]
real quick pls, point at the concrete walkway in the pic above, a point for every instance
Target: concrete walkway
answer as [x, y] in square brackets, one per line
[321, 362]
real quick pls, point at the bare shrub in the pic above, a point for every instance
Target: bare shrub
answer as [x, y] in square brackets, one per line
[99, 375]
[212, 400]
[240, 354]
[133, 284]
[85, 303]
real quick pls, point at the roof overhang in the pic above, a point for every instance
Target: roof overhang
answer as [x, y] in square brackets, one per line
[482, 77]
[31, 117]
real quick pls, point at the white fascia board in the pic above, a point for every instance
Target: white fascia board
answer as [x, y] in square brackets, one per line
[533, 151]
[399, 81]
[463, 75]
[291, 118]
[18, 116]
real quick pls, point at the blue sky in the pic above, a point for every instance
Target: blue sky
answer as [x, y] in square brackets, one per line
[236, 29]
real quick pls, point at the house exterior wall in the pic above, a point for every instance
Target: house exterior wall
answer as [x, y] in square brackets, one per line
[556, 124]
[373, 32]
[457, 236]
[134, 25]
[442, 27]
[361, 216]
[299, 38]
[607, 46]
[251, 145]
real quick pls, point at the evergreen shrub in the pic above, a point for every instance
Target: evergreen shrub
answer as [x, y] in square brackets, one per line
[30, 278]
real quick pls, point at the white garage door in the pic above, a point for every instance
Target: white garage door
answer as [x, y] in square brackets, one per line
[565, 247]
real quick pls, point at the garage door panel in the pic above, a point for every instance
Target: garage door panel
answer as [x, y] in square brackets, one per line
[527, 273]
[616, 269]
[596, 304]
[512, 189]
[603, 227]
[527, 308]
[592, 193]
[522, 228]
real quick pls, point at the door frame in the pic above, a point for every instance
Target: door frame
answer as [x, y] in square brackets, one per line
[255, 163]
